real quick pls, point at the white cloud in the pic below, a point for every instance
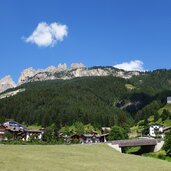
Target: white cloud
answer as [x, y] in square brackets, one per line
[47, 35]
[135, 65]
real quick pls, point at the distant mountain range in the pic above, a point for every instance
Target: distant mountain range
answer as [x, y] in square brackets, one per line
[64, 73]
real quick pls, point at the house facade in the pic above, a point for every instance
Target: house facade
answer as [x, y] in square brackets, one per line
[92, 138]
[37, 134]
[156, 130]
[88, 138]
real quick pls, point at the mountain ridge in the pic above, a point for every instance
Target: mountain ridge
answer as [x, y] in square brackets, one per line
[62, 72]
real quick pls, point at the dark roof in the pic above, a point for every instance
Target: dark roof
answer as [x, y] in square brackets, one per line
[137, 142]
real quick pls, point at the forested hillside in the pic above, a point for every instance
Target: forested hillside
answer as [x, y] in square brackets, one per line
[89, 100]
[101, 101]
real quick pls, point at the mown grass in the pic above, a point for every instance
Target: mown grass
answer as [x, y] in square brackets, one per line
[74, 158]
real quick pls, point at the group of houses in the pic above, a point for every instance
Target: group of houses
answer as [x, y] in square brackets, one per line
[19, 131]
[92, 137]
[13, 130]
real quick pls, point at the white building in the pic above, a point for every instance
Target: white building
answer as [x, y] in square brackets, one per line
[168, 100]
[156, 130]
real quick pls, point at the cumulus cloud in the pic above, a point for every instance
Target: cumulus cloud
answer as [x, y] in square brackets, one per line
[47, 35]
[135, 65]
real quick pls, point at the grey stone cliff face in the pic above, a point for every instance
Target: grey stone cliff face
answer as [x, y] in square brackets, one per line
[6, 83]
[76, 70]
[62, 72]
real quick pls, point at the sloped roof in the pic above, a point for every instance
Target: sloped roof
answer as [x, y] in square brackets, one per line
[137, 142]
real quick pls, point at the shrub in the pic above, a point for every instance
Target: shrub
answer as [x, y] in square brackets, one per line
[167, 143]
[117, 133]
[161, 155]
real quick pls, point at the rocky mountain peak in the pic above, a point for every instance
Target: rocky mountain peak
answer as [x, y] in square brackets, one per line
[77, 65]
[51, 69]
[27, 73]
[6, 83]
[62, 67]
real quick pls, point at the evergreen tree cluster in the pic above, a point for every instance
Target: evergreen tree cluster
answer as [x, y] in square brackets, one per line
[99, 101]
[86, 100]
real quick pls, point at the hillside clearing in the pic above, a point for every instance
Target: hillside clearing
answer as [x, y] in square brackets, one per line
[74, 158]
[129, 86]
[167, 107]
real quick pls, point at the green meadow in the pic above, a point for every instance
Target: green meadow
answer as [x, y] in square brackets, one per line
[74, 158]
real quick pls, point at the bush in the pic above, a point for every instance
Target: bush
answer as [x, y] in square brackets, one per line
[8, 136]
[117, 133]
[167, 143]
[165, 114]
[161, 155]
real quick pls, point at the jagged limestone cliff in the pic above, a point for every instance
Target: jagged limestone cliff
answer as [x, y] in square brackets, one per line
[62, 72]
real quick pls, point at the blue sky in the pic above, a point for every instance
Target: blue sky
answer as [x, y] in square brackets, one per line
[97, 32]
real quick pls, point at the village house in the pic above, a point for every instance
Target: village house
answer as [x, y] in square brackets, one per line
[92, 137]
[18, 131]
[13, 126]
[156, 130]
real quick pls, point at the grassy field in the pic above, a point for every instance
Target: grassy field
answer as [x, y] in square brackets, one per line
[168, 121]
[130, 86]
[167, 107]
[74, 158]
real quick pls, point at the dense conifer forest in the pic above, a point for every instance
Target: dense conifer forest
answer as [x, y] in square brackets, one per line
[101, 101]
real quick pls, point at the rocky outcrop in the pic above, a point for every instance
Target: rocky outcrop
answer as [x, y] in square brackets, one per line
[62, 72]
[26, 75]
[6, 83]
[77, 66]
[76, 70]
[61, 67]
[50, 69]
